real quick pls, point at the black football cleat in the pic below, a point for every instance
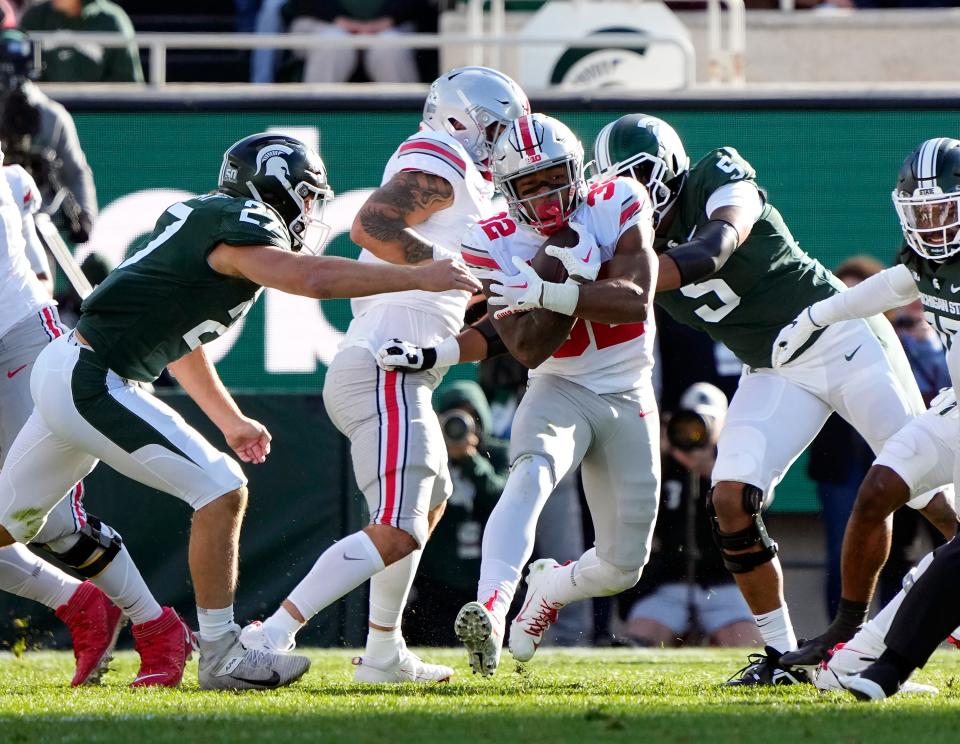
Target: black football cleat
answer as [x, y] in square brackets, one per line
[766, 669]
[810, 653]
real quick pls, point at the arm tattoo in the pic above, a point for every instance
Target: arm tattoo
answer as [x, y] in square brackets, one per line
[385, 214]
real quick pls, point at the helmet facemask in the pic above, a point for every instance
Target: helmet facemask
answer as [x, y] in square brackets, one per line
[930, 222]
[651, 172]
[308, 229]
[545, 211]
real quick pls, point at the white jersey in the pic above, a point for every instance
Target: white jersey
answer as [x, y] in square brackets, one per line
[21, 255]
[602, 358]
[425, 318]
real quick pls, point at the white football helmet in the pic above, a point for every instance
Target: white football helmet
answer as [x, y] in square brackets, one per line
[474, 105]
[536, 142]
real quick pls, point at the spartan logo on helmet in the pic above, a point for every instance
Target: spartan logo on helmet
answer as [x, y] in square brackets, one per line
[286, 174]
[927, 198]
[648, 149]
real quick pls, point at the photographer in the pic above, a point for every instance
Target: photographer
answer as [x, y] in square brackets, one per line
[40, 135]
[673, 605]
[451, 562]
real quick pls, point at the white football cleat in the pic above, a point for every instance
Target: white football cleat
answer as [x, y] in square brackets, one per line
[481, 634]
[537, 614]
[406, 666]
[846, 661]
[253, 636]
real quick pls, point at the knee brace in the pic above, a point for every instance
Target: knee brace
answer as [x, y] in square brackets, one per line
[602, 579]
[744, 539]
[97, 544]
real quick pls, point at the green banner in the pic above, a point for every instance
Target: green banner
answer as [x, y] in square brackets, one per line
[830, 172]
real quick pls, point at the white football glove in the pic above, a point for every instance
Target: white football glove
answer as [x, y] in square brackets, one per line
[404, 356]
[582, 261]
[793, 336]
[518, 293]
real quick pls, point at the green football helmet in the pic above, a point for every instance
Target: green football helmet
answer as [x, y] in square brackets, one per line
[927, 198]
[648, 149]
[286, 174]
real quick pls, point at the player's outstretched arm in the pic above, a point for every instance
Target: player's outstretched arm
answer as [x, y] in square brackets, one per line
[197, 375]
[328, 277]
[888, 289]
[384, 223]
[710, 247]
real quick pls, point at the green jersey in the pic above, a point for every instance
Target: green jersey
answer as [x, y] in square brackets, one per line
[165, 299]
[939, 285]
[761, 288]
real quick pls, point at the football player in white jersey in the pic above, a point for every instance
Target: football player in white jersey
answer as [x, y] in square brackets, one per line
[434, 187]
[590, 402]
[90, 609]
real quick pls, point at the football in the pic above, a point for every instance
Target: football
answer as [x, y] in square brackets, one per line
[547, 267]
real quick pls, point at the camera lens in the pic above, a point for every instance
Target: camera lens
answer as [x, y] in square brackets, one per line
[688, 430]
[455, 428]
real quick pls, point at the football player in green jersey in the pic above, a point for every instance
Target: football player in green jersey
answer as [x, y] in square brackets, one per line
[922, 456]
[202, 268]
[730, 267]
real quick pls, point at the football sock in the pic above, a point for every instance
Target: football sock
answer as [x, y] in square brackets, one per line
[214, 623]
[341, 568]
[383, 644]
[122, 582]
[281, 629]
[389, 590]
[590, 576]
[777, 630]
[509, 533]
[26, 575]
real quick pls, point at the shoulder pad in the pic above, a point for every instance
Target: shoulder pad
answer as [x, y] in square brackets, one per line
[24, 189]
[428, 149]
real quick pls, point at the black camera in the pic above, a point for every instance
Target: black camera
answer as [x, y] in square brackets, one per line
[689, 430]
[457, 425]
[697, 424]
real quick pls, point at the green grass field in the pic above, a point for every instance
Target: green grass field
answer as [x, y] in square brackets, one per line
[563, 696]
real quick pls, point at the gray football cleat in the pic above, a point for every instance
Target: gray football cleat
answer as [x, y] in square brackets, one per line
[225, 664]
[480, 633]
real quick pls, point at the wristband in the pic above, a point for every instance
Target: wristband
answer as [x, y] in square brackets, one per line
[447, 351]
[810, 316]
[440, 253]
[560, 298]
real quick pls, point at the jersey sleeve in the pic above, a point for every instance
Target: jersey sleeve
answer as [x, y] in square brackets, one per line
[617, 206]
[478, 251]
[24, 189]
[250, 222]
[430, 154]
[719, 168]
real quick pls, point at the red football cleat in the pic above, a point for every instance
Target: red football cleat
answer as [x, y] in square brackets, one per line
[164, 645]
[94, 622]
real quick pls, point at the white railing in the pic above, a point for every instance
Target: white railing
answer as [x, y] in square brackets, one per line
[158, 43]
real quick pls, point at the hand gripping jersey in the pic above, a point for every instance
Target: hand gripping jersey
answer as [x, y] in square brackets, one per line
[939, 285]
[425, 318]
[21, 255]
[602, 358]
[761, 288]
[165, 300]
